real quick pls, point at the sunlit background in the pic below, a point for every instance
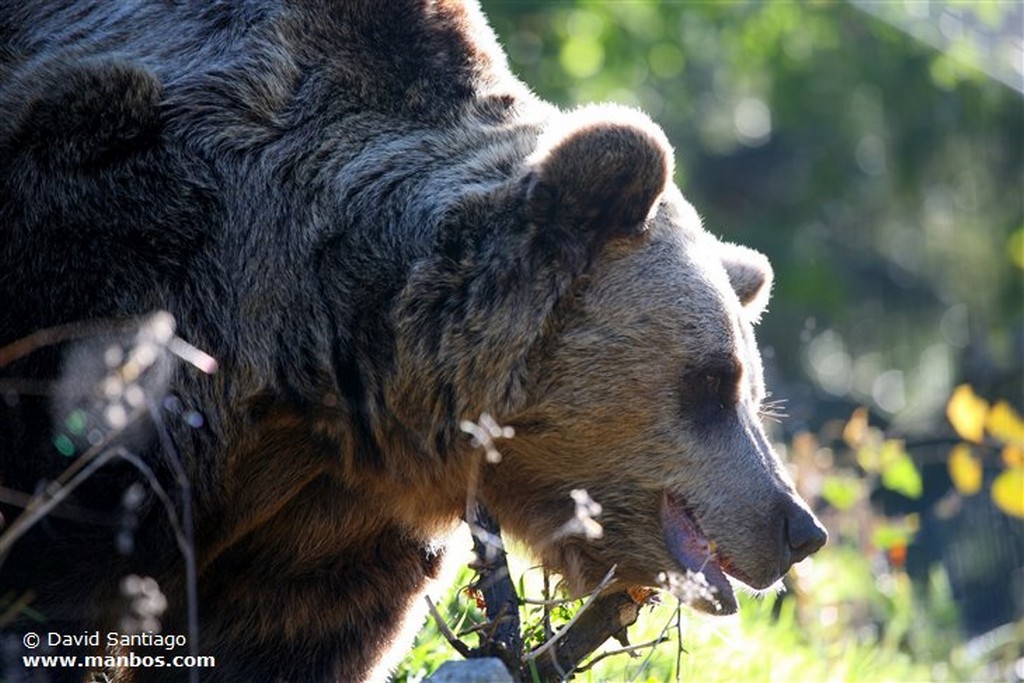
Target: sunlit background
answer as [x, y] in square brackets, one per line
[875, 152]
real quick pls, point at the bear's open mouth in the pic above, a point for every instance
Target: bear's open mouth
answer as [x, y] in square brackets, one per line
[705, 586]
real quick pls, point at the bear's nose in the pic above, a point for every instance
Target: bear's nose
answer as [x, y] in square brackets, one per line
[804, 533]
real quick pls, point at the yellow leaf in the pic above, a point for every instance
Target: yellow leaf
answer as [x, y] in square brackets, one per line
[967, 412]
[869, 457]
[1005, 424]
[964, 470]
[856, 430]
[1008, 491]
[1013, 455]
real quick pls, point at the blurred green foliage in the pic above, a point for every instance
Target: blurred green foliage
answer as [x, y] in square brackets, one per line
[841, 621]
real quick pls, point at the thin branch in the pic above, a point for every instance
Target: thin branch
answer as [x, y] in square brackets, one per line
[548, 603]
[553, 602]
[185, 545]
[664, 630]
[442, 626]
[20, 499]
[609, 616]
[52, 496]
[680, 650]
[620, 651]
[555, 664]
[488, 625]
[60, 333]
[532, 657]
[185, 533]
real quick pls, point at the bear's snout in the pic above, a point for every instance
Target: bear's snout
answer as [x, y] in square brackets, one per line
[796, 534]
[802, 532]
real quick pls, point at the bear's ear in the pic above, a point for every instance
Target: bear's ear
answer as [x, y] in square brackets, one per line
[597, 173]
[87, 112]
[750, 275]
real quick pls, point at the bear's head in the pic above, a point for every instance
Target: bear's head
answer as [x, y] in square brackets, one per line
[616, 336]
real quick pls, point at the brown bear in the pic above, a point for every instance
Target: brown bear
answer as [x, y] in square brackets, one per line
[258, 261]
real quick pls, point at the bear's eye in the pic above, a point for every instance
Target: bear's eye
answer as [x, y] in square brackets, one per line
[720, 386]
[711, 389]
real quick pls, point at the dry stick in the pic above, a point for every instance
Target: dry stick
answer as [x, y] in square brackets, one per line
[183, 538]
[620, 651]
[90, 461]
[553, 602]
[452, 639]
[39, 506]
[71, 478]
[608, 616]
[53, 335]
[58, 490]
[679, 642]
[20, 499]
[597, 620]
[550, 643]
[185, 532]
[548, 603]
[668, 625]
[486, 627]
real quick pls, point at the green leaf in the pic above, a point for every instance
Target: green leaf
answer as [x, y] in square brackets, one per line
[899, 473]
[886, 536]
[842, 491]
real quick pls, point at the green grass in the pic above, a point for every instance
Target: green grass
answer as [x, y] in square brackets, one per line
[844, 621]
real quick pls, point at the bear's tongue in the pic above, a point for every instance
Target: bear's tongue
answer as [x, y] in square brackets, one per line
[705, 587]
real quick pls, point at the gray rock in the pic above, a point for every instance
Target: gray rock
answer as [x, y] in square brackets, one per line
[483, 670]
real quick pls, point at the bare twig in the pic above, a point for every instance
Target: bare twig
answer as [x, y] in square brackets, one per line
[553, 602]
[71, 511]
[442, 626]
[486, 627]
[54, 335]
[156, 331]
[609, 616]
[52, 496]
[680, 650]
[550, 643]
[674, 621]
[185, 533]
[548, 603]
[161, 494]
[80, 330]
[620, 651]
